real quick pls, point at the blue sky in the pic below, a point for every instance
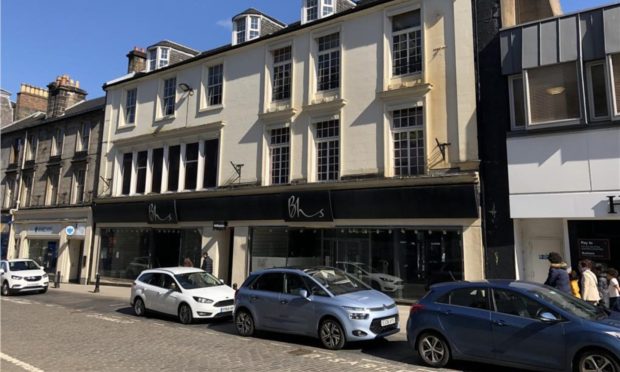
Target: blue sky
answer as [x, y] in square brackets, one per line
[88, 39]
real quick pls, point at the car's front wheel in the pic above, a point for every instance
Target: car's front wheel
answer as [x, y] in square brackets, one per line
[331, 334]
[5, 288]
[433, 350]
[244, 323]
[597, 361]
[185, 314]
[138, 307]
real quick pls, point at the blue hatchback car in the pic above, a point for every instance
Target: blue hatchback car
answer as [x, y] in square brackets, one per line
[321, 302]
[513, 323]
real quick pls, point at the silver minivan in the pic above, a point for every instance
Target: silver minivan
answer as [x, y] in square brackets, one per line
[322, 302]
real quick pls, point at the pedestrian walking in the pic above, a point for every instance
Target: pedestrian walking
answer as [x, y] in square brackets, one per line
[589, 283]
[574, 283]
[613, 289]
[187, 262]
[207, 263]
[602, 284]
[558, 275]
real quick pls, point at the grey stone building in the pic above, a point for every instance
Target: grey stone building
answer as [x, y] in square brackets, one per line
[49, 171]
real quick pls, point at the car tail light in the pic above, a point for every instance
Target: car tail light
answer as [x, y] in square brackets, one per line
[415, 308]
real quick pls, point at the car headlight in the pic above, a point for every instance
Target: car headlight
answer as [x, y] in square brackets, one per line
[357, 313]
[45, 275]
[203, 300]
[614, 334]
[16, 277]
[386, 279]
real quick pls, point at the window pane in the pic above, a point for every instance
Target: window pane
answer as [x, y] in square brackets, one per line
[518, 102]
[214, 85]
[191, 165]
[279, 143]
[174, 157]
[127, 164]
[271, 282]
[598, 87]
[615, 65]
[508, 302]
[553, 93]
[211, 161]
[158, 161]
[169, 96]
[141, 172]
[469, 297]
[406, 20]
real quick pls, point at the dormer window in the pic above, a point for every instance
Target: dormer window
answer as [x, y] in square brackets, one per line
[158, 58]
[315, 9]
[246, 28]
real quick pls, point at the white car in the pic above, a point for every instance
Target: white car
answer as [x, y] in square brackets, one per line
[379, 281]
[22, 275]
[186, 292]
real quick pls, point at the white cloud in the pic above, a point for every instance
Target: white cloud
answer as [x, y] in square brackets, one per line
[226, 23]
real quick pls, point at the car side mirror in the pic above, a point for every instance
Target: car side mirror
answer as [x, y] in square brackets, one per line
[222, 281]
[547, 317]
[303, 293]
[1, 271]
[173, 287]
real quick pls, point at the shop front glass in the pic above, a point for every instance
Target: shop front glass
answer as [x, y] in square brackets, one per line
[125, 253]
[45, 253]
[399, 262]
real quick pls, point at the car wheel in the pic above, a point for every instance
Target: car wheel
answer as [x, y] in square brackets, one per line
[331, 334]
[597, 361]
[433, 350]
[138, 307]
[244, 323]
[5, 289]
[185, 314]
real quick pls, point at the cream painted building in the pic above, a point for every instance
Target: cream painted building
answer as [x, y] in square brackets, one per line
[348, 139]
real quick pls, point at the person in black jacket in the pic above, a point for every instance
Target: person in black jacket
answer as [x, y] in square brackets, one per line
[558, 275]
[207, 263]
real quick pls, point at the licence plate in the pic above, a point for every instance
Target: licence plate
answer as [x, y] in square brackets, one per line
[227, 309]
[388, 321]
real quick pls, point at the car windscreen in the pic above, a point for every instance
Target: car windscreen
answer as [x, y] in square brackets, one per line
[337, 281]
[197, 279]
[568, 303]
[23, 265]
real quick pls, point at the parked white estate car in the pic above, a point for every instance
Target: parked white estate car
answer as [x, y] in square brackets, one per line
[379, 281]
[186, 292]
[22, 275]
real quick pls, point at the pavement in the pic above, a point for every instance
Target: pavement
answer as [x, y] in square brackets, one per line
[122, 293]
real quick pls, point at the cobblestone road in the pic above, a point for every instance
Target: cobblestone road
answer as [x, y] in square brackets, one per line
[54, 332]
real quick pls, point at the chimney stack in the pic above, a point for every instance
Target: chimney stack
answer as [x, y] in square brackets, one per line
[30, 99]
[137, 60]
[63, 93]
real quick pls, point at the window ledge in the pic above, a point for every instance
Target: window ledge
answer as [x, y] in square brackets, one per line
[327, 103]
[165, 118]
[278, 113]
[415, 89]
[211, 109]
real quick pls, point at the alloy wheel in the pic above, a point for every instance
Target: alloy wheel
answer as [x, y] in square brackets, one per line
[331, 334]
[5, 289]
[185, 314]
[244, 323]
[433, 350]
[597, 362]
[138, 307]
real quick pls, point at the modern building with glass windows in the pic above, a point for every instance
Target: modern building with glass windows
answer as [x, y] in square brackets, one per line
[347, 139]
[564, 146]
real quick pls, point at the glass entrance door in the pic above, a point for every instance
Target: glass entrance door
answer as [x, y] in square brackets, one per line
[45, 253]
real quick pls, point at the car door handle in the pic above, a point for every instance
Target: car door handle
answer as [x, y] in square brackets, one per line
[283, 302]
[447, 312]
[500, 323]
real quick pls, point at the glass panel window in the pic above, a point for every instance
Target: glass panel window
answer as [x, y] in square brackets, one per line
[254, 27]
[15, 150]
[31, 147]
[312, 10]
[57, 142]
[597, 90]
[406, 43]
[553, 93]
[130, 106]
[152, 59]
[511, 303]
[78, 188]
[328, 149]
[164, 57]
[328, 8]
[191, 165]
[141, 171]
[517, 104]
[615, 67]
[51, 193]
[408, 134]
[126, 176]
[26, 189]
[328, 72]
[125, 253]
[83, 137]
[158, 163]
[174, 156]
[468, 297]
[215, 85]
[270, 282]
[9, 192]
[211, 162]
[281, 74]
[240, 27]
[169, 97]
[279, 147]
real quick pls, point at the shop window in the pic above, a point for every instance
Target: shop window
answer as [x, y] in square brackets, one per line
[406, 43]
[408, 136]
[328, 150]
[279, 149]
[45, 253]
[141, 171]
[211, 163]
[174, 157]
[553, 94]
[191, 165]
[158, 163]
[517, 102]
[124, 253]
[126, 173]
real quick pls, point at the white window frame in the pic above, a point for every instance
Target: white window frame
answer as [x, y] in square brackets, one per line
[275, 65]
[207, 86]
[155, 58]
[270, 148]
[324, 8]
[59, 135]
[161, 113]
[614, 106]
[513, 124]
[251, 29]
[328, 52]
[317, 141]
[161, 60]
[392, 136]
[248, 29]
[152, 59]
[405, 32]
[125, 111]
[80, 145]
[135, 158]
[589, 89]
[74, 189]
